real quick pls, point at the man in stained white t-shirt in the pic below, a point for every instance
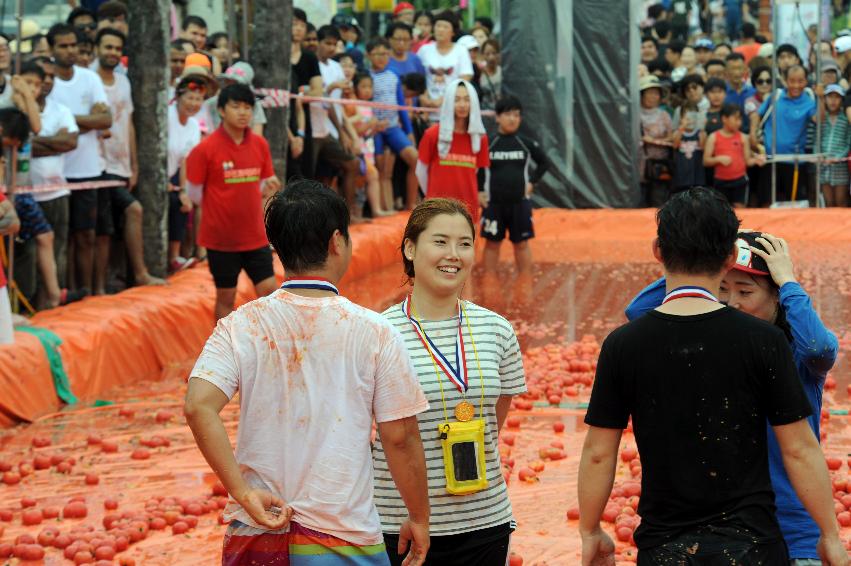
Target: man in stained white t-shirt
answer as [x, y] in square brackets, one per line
[82, 92]
[313, 371]
[118, 147]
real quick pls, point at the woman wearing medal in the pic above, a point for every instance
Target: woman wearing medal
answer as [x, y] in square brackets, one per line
[469, 365]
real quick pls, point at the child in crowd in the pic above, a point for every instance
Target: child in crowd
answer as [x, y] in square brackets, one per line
[452, 150]
[509, 185]
[366, 125]
[398, 135]
[835, 143]
[349, 70]
[716, 92]
[689, 139]
[728, 150]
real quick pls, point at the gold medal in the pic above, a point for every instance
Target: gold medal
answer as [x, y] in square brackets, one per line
[464, 411]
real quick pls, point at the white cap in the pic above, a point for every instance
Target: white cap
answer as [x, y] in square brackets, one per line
[842, 44]
[468, 42]
[766, 50]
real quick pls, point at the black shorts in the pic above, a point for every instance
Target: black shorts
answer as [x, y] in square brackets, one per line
[121, 199]
[91, 209]
[516, 218]
[483, 547]
[225, 266]
[735, 191]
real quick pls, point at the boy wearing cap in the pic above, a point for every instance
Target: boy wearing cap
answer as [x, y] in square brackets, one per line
[836, 143]
[238, 73]
[703, 48]
[719, 374]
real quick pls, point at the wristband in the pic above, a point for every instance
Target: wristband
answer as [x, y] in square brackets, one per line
[300, 133]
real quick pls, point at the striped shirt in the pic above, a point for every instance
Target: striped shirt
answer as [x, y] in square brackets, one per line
[502, 371]
[387, 89]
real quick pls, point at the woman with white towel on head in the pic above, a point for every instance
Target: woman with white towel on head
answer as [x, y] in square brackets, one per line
[453, 151]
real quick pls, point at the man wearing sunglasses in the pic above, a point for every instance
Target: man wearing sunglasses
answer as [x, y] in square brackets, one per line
[84, 20]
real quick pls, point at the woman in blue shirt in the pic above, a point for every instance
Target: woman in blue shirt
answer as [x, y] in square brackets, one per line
[762, 283]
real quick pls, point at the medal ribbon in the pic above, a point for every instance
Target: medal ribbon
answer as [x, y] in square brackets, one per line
[686, 292]
[315, 283]
[458, 374]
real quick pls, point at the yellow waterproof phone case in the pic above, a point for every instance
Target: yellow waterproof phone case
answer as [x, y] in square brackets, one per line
[463, 456]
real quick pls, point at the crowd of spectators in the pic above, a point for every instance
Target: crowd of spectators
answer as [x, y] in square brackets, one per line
[68, 117]
[710, 100]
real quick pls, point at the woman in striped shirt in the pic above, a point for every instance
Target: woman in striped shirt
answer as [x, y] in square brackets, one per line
[469, 365]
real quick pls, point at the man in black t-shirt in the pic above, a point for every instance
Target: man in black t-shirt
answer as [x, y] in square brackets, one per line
[305, 78]
[506, 187]
[699, 380]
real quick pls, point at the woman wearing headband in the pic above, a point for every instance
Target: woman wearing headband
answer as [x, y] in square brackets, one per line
[469, 365]
[762, 284]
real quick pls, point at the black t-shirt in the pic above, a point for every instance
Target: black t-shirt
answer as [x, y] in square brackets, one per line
[713, 122]
[300, 75]
[699, 390]
[511, 163]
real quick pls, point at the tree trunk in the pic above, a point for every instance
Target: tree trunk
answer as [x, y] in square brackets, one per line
[149, 68]
[270, 56]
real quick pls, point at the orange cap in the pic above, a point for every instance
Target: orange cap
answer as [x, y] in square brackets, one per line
[198, 60]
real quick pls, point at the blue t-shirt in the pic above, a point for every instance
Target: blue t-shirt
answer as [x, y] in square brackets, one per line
[738, 98]
[410, 65]
[814, 348]
[795, 114]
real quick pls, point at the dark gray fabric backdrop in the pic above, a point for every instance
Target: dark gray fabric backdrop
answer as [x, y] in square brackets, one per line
[570, 63]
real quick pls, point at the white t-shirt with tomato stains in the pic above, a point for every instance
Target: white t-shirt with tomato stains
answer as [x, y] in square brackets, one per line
[312, 374]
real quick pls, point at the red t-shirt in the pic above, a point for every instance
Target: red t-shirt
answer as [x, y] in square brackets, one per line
[748, 51]
[734, 147]
[454, 176]
[2, 243]
[232, 219]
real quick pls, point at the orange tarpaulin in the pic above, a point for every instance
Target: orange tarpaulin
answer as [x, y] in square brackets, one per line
[135, 335]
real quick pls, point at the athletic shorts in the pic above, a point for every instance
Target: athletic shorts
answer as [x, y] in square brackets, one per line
[89, 209]
[33, 220]
[121, 198]
[395, 138]
[225, 266]
[483, 547]
[734, 191]
[516, 218]
[330, 150]
[300, 546]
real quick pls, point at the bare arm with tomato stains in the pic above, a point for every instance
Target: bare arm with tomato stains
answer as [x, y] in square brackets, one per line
[403, 448]
[204, 401]
[807, 470]
[596, 477]
[503, 404]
